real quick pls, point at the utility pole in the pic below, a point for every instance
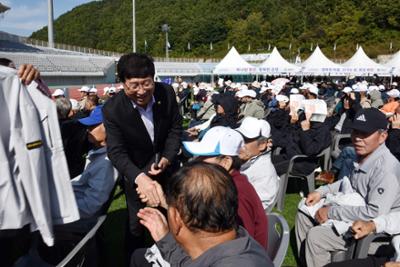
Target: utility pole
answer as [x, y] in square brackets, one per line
[50, 33]
[165, 28]
[133, 27]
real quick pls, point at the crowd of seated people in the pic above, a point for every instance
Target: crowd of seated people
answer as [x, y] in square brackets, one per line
[212, 211]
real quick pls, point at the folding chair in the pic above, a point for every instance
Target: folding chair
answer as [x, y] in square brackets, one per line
[338, 142]
[362, 247]
[348, 254]
[284, 178]
[77, 256]
[278, 238]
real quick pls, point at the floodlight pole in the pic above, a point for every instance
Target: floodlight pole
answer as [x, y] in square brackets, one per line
[50, 32]
[166, 45]
[133, 27]
[165, 28]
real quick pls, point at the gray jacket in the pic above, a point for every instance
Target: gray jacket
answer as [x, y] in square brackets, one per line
[243, 251]
[262, 175]
[377, 180]
[254, 108]
[29, 193]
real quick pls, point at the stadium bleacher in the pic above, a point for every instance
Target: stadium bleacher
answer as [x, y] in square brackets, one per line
[53, 60]
[63, 63]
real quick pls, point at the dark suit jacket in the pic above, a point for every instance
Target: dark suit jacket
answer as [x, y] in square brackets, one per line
[128, 144]
[76, 145]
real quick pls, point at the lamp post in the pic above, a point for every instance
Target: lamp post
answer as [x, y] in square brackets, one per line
[165, 28]
[133, 27]
[50, 15]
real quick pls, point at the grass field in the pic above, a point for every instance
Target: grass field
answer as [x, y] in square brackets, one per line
[114, 229]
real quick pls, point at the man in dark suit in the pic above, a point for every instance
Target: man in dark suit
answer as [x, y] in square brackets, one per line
[144, 128]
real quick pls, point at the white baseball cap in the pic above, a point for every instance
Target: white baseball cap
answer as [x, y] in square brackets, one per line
[381, 87]
[263, 89]
[294, 91]
[252, 128]
[58, 92]
[244, 87]
[313, 89]
[362, 87]
[282, 98]
[256, 84]
[249, 93]
[84, 89]
[304, 86]
[394, 83]
[393, 93]
[372, 88]
[347, 90]
[93, 90]
[217, 141]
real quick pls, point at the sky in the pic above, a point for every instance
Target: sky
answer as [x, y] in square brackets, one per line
[27, 16]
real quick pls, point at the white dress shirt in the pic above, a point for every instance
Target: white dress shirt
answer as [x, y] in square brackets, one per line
[147, 116]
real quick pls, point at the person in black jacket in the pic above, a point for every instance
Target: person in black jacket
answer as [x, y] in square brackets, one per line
[74, 137]
[143, 128]
[393, 140]
[307, 137]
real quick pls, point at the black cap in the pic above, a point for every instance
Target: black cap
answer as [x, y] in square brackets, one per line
[369, 120]
[227, 101]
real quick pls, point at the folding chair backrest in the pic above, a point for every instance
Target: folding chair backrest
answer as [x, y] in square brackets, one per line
[77, 256]
[338, 142]
[363, 244]
[278, 238]
[325, 157]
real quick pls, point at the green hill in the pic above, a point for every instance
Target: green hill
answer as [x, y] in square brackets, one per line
[249, 25]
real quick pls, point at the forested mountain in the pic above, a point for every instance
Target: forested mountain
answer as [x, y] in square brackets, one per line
[249, 25]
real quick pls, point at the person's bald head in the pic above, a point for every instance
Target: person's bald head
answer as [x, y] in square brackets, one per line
[205, 197]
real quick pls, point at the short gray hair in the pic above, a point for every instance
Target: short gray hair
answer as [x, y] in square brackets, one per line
[63, 108]
[262, 139]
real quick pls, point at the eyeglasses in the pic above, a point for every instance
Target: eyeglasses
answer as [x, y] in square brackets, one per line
[146, 85]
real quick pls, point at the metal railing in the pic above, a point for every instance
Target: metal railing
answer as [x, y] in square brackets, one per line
[92, 51]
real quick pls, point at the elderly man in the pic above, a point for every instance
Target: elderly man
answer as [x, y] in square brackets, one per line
[376, 178]
[202, 229]
[256, 153]
[143, 127]
[93, 187]
[250, 106]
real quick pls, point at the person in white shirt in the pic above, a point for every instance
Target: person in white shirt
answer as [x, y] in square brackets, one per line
[387, 223]
[258, 166]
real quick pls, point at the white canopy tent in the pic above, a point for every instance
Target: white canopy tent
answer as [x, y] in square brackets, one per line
[319, 65]
[234, 64]
[394, 65]
[361, 65]
[277, 65]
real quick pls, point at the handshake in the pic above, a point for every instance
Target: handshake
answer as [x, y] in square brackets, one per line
[150, 191]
